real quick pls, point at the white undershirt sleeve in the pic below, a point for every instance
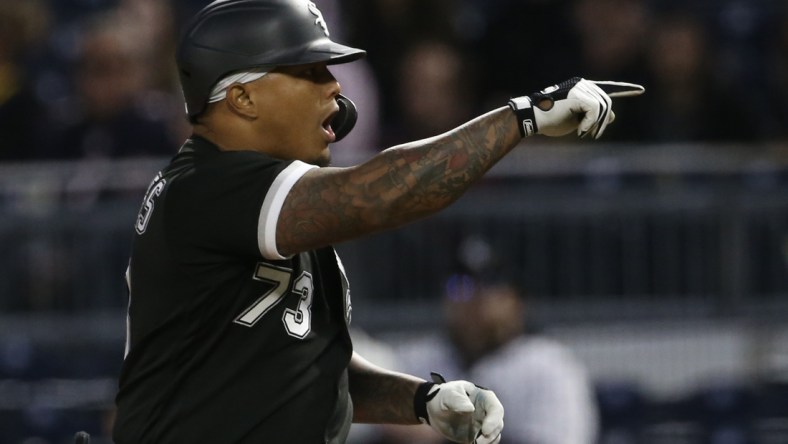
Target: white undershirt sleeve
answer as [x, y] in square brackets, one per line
[272, 206]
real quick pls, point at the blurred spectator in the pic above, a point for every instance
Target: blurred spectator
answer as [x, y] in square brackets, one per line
[435, 92]
[612, 36]
[23, 123]
[740, 46]
[153, 23]
[545, 389]
[116, 113]
[685, 102]
[388, 27]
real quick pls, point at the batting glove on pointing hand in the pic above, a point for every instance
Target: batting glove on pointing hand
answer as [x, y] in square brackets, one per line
[460, 411]
[577, 103]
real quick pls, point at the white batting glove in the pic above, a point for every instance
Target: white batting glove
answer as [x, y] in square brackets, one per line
[460, 411]
[576, 104]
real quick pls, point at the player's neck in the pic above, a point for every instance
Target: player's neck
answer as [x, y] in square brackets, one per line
[227, 137]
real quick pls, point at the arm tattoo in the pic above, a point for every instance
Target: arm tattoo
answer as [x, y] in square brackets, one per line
[399, 185]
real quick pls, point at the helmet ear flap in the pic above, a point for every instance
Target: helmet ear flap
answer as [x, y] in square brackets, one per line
[344, 121]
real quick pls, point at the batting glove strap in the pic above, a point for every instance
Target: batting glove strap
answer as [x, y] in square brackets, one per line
[524, 111]
[420, 400]
[424, 394]
[543, 100]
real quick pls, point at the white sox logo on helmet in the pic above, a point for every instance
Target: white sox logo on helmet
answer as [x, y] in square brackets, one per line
[319, 20]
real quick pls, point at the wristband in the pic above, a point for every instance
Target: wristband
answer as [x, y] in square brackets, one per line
[420, 400]
[524, 111]
[423, 396]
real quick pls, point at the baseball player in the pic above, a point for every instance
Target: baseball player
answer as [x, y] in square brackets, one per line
[239, 307]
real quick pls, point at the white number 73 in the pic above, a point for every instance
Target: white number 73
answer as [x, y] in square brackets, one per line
[298, 322]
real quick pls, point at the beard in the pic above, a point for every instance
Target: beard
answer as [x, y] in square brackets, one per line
[324, 161]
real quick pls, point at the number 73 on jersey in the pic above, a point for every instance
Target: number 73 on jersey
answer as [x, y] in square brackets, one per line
[298, 321]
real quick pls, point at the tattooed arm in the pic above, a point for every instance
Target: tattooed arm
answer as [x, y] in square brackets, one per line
[381, 396]
[399, 185]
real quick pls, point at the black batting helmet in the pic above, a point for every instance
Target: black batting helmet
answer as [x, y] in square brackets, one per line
[234, 35]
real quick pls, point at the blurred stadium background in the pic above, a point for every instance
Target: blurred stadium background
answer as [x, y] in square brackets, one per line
[659, 254]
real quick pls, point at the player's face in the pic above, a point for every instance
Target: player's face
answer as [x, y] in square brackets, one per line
[296, 104]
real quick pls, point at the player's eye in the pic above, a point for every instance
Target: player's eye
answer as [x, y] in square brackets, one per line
[316, 73]
[309, 72]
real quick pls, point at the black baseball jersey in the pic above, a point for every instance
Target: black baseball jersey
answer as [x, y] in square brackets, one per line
[228, 341]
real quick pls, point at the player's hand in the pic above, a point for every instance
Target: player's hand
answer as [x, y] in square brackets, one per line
[576, 104]
[460, 411]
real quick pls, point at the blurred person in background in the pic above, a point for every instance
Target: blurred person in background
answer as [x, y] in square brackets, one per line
[435, 92]
[23, 117]
[113, 114]
[611, 38]
[611, 35]
[153, 24]
[688, 105]
[389, 28]
[545, 388]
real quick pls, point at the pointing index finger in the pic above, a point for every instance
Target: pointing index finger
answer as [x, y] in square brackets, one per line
[620, 89]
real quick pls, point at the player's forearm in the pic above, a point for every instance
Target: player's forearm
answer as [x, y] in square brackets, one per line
[381, 396]
[400, 185]
[427, 175]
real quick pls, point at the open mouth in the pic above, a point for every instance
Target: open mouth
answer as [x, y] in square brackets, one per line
[327, 126]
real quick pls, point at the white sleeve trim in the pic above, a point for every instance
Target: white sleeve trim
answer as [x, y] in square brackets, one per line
[272, 206]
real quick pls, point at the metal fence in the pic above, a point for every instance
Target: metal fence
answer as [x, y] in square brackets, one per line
[642, 227]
